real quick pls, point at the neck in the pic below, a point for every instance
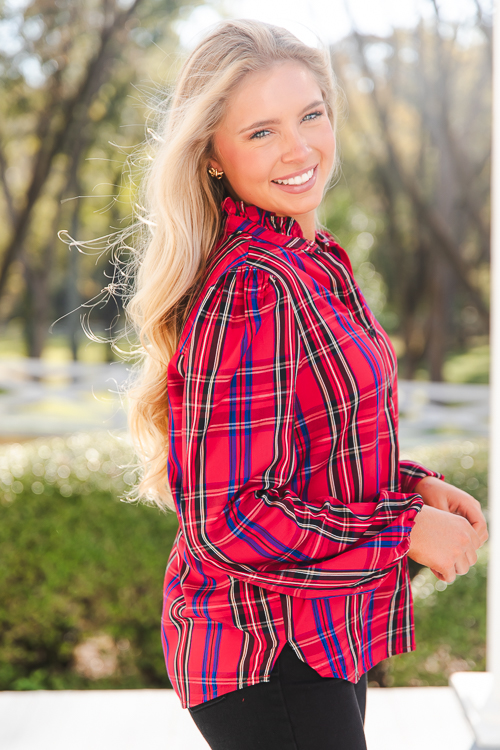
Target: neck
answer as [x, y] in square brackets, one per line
[307, 223]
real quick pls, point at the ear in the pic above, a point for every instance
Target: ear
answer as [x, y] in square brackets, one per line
[214, 163]
[213, 158]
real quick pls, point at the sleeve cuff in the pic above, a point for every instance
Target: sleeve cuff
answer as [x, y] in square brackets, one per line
[410, 474]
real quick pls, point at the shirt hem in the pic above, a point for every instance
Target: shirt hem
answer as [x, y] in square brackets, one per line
[353, 675]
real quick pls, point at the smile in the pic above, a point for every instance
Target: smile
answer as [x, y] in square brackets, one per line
[299, 179]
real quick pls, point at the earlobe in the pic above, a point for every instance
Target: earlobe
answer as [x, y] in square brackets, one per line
[214, 164]
[214, 172]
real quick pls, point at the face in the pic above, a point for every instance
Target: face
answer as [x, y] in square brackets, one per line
[275, 144]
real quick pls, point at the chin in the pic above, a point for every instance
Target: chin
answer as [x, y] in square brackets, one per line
[303, 206]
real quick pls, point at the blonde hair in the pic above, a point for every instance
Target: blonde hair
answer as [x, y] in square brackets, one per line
[182, 204]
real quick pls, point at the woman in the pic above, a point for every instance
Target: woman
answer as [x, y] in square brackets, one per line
[267, 413]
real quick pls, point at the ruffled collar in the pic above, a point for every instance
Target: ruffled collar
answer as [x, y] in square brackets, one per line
[240, 217]
[261, 217]
[284, 225]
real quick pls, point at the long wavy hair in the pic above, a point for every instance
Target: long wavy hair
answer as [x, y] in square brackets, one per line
[182, 206]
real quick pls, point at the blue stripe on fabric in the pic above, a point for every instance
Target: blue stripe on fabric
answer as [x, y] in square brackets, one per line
[306, 467]
[233, 420]
[369, 621]
[204, 662]
[240, 531]
[248, 376]
[203, 593]
[334, 636]
[216, 654]
[324, 641]
[175, 580]
[165, 641]
[172, 453]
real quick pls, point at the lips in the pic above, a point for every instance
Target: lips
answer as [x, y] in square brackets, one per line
[300, 187]
[296, 178]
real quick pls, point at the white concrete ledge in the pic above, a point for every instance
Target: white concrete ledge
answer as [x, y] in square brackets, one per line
[397, 719]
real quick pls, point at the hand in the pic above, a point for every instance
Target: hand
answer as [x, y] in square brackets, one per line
[444, 542]
[439, 494]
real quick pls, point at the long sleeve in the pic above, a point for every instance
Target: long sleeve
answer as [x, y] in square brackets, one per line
[236, 507]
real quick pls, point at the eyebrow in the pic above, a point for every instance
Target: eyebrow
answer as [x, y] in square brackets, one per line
[261, 123]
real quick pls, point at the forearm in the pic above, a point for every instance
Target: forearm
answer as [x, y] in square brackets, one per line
[293, 548]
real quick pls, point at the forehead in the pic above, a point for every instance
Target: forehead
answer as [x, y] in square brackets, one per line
[285, 87]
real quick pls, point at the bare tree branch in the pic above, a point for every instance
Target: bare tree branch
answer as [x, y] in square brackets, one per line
[446, 138]
[6, 189]
[485, 27]
[434, 222]
[436, 9]
[61, 140]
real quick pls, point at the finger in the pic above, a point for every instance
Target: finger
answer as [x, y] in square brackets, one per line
[469, 508]
[471, 557]
[437, 574]
[437, 501]
[474, 537]
[462, 566]
[481, 530]
[449, 575]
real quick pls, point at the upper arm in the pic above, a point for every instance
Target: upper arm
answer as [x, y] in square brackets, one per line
[241, 370]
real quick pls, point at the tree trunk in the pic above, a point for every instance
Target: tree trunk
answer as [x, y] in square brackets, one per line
[438, 318]
[72, 293]
[36, 326]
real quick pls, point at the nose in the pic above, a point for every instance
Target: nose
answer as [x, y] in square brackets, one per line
[296, 148]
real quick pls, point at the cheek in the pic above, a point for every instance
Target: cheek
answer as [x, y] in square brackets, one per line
[247, 165]
[327, 145]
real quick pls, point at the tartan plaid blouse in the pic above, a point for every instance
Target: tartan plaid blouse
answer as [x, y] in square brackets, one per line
[294, 510]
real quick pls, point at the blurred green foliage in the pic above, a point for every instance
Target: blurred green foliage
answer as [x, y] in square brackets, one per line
[78, 563]
[472, 366]
[450, 620]
[81, 572]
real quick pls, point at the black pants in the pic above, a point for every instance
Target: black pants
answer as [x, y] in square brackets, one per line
[297, 710]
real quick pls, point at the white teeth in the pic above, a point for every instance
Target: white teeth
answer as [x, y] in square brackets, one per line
[299, 180]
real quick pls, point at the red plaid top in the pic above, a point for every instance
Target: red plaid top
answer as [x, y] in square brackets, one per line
[294, 509]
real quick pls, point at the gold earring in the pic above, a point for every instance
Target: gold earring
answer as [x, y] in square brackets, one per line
[215, 173]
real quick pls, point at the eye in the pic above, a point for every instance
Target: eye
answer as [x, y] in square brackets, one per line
[263, 133]
[259, 134]
[313, 115]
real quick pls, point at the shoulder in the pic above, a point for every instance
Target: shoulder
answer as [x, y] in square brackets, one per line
[245, 315]
[247, 285]
[236, 299]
